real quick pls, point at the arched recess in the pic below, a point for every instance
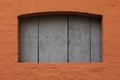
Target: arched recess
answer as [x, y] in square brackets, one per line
[60, 37]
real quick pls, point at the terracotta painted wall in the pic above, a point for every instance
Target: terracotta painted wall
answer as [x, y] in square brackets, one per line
[11, 69]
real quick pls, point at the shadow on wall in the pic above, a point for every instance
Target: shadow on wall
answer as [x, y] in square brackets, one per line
[60, 13]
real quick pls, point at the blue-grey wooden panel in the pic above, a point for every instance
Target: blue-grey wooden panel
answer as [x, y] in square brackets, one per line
[29, 40]
[79, 39]
[53, 39]
[96, 40]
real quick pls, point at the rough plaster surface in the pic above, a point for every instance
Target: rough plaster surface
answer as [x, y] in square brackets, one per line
[10, 69]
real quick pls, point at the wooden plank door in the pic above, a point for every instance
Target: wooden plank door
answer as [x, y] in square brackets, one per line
[96, 40]
[53, 39]
[79, 39]
[29, 40]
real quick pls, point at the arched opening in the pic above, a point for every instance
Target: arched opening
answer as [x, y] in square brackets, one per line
[60, 37]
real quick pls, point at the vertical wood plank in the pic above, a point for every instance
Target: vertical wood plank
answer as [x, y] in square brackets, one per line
[79, 39]
[95, 40]
[53, 39]
[29, 40]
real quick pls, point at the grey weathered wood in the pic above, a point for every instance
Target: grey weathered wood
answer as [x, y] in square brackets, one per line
[53, 39]
[95, 40]
[79, 39]
[29, 40]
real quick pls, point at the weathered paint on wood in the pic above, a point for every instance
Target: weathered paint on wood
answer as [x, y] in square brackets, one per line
[29, 40]
[53, 39]
[96, 40]
[79, 39]
[60, 39]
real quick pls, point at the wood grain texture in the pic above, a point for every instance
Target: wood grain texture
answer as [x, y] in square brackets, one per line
[96, 45]
[79, 39]
[60, 39]
[29, 40]
[53, 39]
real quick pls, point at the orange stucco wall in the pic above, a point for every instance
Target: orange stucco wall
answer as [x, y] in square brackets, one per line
[11, 69]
